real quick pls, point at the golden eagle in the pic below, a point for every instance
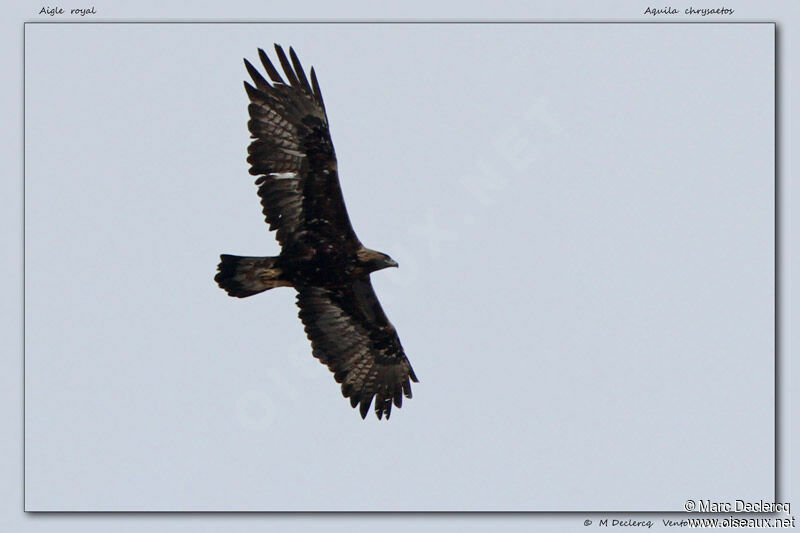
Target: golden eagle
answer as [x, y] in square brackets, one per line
[321, 257]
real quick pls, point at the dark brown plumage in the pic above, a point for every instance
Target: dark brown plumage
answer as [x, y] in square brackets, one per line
[321, 257]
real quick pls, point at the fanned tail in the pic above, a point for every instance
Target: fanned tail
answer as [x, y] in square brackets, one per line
[245, 276]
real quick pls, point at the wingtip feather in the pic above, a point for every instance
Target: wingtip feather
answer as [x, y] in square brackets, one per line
[253, 93]
[364, 409]
[298, 68]
[272, 72]
[258, 79]
[316, 89]
[287, 67]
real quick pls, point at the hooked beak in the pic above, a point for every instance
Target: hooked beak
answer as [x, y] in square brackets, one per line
[393, 263]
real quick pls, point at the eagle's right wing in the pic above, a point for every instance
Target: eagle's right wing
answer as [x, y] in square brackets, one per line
[350, 333]
[293, 156]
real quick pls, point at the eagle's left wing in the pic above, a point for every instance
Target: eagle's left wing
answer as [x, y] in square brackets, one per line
[293, 156]
[350, 333]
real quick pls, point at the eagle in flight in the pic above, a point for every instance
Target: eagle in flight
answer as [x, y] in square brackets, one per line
[321, 257]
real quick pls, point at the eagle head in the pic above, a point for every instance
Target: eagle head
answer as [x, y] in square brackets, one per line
[373, 260]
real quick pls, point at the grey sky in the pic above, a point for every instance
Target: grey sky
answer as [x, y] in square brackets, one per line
[583, 215]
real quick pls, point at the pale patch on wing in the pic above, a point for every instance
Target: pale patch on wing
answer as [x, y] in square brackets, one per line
[284, 175]
[295, 153]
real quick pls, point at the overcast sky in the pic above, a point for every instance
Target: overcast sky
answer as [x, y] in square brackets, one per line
[583, 215]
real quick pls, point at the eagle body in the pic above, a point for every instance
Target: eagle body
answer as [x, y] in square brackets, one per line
[321, 256]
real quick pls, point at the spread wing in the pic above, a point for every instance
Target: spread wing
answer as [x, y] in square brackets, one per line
[350, 333]
[294, 158]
